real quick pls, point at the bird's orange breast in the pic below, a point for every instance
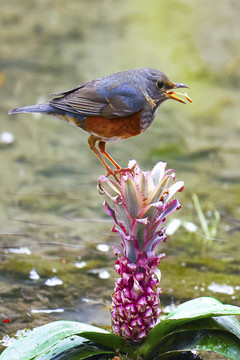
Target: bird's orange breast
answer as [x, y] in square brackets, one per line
[122, 127]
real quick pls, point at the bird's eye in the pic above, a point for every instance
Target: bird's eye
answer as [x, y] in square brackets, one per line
[160, 84]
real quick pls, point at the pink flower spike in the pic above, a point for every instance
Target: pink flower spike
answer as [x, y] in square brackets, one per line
[125, 331]
[140, 206]
[137, 322]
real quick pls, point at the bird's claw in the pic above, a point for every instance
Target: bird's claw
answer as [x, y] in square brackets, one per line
[120, 172]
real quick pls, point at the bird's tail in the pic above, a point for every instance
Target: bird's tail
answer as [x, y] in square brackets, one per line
[42, 108]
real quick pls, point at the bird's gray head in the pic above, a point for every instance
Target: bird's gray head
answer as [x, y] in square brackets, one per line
[157, 87]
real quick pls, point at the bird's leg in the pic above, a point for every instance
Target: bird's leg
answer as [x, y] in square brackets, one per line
[119, 169]
[101, 146]
[92, 141]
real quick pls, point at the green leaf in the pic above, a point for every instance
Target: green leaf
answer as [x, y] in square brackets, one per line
[61, 346]
[42, 339]
[111, 341]
[80, 354]
[220, 342]
[202, 307]
[190, 311]
[224, 323]
[228, 323]
[72, 348]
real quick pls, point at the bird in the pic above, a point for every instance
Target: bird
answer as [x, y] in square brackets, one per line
[112, 108]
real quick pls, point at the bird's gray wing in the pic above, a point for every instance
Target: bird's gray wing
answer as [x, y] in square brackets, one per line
[98, 98]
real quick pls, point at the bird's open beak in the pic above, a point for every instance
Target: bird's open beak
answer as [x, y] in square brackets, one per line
[173, 94]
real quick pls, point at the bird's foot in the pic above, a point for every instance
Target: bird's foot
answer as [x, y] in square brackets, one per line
[120, 172]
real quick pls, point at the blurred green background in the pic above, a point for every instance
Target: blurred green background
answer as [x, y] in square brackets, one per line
[50, 209]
